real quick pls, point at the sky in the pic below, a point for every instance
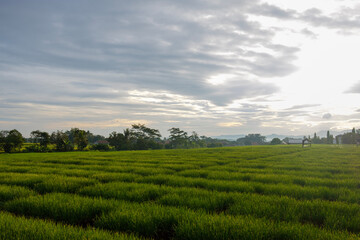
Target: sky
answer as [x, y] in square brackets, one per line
[214, 67]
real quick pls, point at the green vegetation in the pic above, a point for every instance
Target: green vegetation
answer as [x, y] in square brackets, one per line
[11, 141]
[14, 228]
[256, 192]
[140, 137]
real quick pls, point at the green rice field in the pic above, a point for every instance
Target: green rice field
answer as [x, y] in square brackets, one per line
[258, 192]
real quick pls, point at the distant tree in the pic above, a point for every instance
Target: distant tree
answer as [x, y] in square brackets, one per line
[248, 142]
[214, 142]
[350, 137]
[178, 138]
[195, 141]
[353, 135]
[329, 138]
[43, 138]
[79, 138]
[117, 140]
[93, 138]
[347, 138]
[100, 147]
[316, 139]
[61, 140]
[71, 135]
[337, 138]
[144, 137]
[2, 140]
[140, 130]
[122, 141]
[11, 141]
[286, 139]
[275, 141]
[252, 139]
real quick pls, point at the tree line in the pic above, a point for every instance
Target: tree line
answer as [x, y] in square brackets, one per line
[352, 137]
[139, 137]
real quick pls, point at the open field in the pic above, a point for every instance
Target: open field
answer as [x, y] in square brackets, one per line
[262, 192]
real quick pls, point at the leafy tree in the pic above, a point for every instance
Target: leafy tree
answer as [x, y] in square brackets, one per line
[140, 130]
[196, 141]
[214, 142]
[178, 138]
[143, 137]
[94, 138]
[61, 140]
[43, 138]
[275, 141]
[350, 137]
[2, 140]
[79, 138]
[100, 147]
[316, 139]
[337, 138]
[11, 141]
[116, 140]
[121, 141]
[329, 138]
[252, 139]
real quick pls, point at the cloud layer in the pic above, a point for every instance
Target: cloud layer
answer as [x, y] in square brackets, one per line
[85, 62]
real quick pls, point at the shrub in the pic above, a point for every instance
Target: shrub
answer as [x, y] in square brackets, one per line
[36, 148]
[100, 147]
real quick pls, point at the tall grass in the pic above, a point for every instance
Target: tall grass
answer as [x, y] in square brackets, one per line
[64, 184]
[10, 192]
[16, 228]
[67, 208]
[216, 227]
[265, 192]
[126, 191]
[148, 220]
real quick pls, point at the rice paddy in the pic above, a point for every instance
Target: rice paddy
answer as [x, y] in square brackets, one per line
[258, 192]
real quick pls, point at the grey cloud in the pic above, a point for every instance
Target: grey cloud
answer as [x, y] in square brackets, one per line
[309, 33]
[327, 116]
[273, 11]
[250, 108]
[79, 60]
[283, 114]
[345, 19]
[354, 89]
[303, 106]
[157, 45]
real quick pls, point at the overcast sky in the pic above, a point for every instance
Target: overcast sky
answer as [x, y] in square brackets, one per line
[215, 67]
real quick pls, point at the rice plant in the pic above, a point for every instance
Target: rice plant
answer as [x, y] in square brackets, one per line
[257, 192]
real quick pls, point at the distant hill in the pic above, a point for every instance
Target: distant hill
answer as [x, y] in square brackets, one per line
[334, 133]
[281, 137]
[229, 137]
[321, 133]
[268, 137]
